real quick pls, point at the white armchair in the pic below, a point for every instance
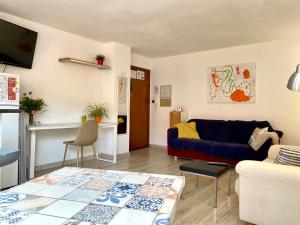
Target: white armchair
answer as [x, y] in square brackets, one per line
[269, 194]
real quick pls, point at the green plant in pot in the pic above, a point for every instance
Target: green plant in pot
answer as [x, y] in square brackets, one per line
[100, 59]
[31, 105]
[96, 111]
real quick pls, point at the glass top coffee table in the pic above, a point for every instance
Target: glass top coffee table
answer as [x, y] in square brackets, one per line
[208, 169]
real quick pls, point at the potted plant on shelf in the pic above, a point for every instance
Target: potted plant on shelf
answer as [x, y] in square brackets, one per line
[31, 105]
[100, 58]
[96, 111]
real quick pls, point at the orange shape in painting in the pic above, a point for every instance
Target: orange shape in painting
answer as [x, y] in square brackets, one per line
[239, 96]
[246, 74]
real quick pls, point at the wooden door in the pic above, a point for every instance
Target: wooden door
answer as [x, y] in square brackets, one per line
[139, 110]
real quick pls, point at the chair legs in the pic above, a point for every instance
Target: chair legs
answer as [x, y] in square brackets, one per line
[66, 149]
[81, 148]
[94, 150]
[78, 149]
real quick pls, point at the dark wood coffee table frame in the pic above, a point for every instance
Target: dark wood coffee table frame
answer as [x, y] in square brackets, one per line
[215, 176]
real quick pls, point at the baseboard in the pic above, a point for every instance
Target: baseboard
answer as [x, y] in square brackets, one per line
[158, 146]
[59, 164]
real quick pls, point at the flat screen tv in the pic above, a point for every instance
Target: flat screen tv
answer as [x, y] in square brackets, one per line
[17, 45]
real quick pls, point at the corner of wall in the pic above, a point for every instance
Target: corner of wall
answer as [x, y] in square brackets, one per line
[141, 61]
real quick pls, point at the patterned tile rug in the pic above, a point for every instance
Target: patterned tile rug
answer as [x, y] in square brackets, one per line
[78, 196]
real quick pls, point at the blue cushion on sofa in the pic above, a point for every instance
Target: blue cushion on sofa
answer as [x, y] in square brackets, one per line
[234, 131]
[226, 150]
[214, 130]
[240, 132]
[199, 145]
[235, 151]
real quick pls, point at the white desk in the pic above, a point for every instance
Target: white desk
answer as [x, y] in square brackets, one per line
[34, 128]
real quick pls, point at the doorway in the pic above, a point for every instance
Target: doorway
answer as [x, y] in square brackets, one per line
[139, 108]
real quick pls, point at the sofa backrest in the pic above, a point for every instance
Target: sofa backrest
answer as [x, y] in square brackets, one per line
[236, 131]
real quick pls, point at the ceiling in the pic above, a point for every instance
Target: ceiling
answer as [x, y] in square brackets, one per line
[156, 28]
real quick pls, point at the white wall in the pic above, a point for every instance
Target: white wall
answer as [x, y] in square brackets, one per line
[120, 62]
[67, 88]
[140, 61]
[124, 71]
[275, 62]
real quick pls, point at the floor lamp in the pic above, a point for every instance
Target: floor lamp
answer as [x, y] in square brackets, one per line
[294, 81]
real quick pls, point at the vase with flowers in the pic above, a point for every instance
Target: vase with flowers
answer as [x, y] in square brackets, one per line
[31, 105]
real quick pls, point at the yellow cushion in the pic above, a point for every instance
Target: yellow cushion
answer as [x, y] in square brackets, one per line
[187, 130]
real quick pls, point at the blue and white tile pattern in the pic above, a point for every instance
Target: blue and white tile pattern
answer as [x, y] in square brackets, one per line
[92, 197]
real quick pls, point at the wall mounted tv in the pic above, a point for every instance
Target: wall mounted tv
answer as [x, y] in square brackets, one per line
[17, 45]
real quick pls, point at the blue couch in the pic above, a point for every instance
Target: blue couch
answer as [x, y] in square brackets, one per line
[221, 141]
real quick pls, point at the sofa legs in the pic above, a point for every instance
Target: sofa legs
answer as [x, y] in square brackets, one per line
[175, 158]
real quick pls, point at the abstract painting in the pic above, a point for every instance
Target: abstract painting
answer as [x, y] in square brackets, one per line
[233, 83]
[122, 90]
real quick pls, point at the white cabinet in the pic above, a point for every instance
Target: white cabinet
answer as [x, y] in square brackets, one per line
[9, 131]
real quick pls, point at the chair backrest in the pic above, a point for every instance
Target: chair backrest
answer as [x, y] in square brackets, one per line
[87, 134]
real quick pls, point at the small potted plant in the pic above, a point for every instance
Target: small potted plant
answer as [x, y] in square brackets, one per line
[100, 58]
[31, 105]
[96, 111]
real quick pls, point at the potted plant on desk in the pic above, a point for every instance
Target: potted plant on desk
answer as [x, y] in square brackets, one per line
[31, 105]
[100, 59]
[96, 111]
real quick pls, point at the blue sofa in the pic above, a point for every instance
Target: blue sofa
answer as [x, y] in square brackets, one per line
[221, 141]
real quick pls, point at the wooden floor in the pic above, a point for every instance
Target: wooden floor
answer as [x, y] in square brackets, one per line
[196, 206]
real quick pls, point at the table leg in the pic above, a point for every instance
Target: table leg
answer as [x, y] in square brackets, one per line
[197, 182]
[65, 154]
[0, 179]
[115, 144]
[182, 190]
[229, 181]
[114, 147]
[32, 153]
[216, 193]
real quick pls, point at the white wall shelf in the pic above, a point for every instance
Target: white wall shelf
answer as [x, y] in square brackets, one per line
[82, 62]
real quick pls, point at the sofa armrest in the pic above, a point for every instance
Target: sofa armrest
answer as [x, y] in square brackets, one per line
[172, 133]
[268, 193]
[280, 133]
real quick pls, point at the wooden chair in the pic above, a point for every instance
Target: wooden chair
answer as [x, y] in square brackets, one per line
[86, 136]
